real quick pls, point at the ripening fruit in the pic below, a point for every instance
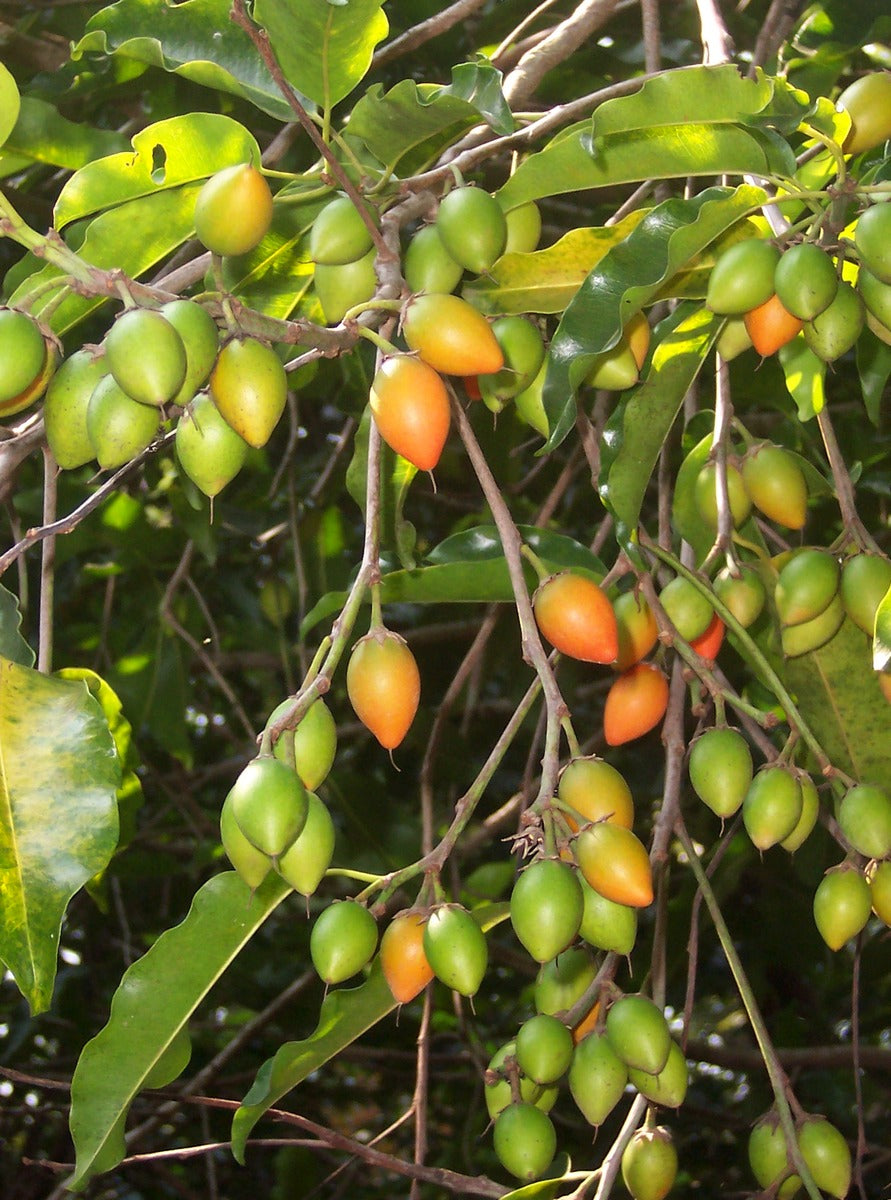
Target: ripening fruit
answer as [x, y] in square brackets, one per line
[472, 227]
[411, 409]
[233, 210]
[880, 890]
[638, 1032]
[65, 408]
[837, 328]
[842, 904]
[811, 635]
[342, 941]
[251, 864]
[597, 1078]
[706, 497]
[771, 326]
[614, 370]
[776, 484]
[450, 335]
[865, 579]
[636, 628]
[314, 742]
[742, 278]
[384, 685]
[523, 228]
[769, 1157]
[209, 450]
[668, 1087]
[826, 1154]
[23, 353]
[810, 811]
[868, 103]
[523, 348]
[35, 389]
[119, 427]
[607, 925]
[806, 280]
[864, 817]
[544, 1048]
[688, 609]
[806, 585]
[709, 643]
[201, 339]
[269, 804]
[597, 792]
[615, 863]
[525, 1141]
[576, 617]
[721, 770]
[403, 960]
[342, 287]
[872, 237]
[455, 948]
[339, 234]
[744, 594]
[546, 908]
[304, 863]
[428, 266]
[635, 704]
[772, 806]
[250, 388]
[650, 1164]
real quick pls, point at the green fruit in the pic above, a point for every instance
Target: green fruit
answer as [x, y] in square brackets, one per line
[172, 1062]
[805, 280]
[119, 427]
[498, 1090]
[525, 1141]
[546, 908]
[529, 405]
[343, 940]
[233, 210]
[650, 1164]
[304, 863]
[811, 635]
[882, 332]
[744, 594]
[339, 235]
[614, 370]
[597, 1078]
[544, 1048]
[827, 1155]
[606, 924]
[769, 1157]
[314, 742]
[837, 328]
[23, 353]
[806, 585]
[880, 890]
[456, 948]
[523, 348]
[343, 287]
[868, 103]
[842, 904]
[772, 806]
[705, 495]
[146, 356]
[251, 864]
[733, 339]
[810, 811]
[428, 266]
[250, 388]
[269, 804]
[667, 1088]
[876, 295]
[865, 580]
[65, 408]
[776, 484]
[721, 770]
[523, 228]
[209, 450]
[201, 338]
[472, 227]
[687, 608]
[638, 1032]
[742, 278]
[872, 237]
[864, 817]
[564, 980]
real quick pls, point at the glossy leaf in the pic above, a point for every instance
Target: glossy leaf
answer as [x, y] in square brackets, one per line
[157, 995]
[874, 368]
[42, 134]
[12, 644]
[58, 818]
[479, 83]
[9, 104]
[881, 649]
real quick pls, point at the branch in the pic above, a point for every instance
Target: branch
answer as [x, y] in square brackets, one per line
[556, 48]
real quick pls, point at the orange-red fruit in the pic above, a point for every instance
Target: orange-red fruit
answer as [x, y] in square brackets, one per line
[450, 335]
[577, 618]
[616, 864]
[771, 326]
[709, 643]
[411, 409]
[384, 685]
[403, 960]
[635, 704]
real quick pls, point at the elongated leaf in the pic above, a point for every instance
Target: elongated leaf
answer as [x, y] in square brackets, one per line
[195, 39]
[9, 104]
[43, 135]
[805, 377]
[324, 49]
[58, 818]
[881, 647]
[156, 997]
[874, 368]
[629, 276]
[12, 645]
[479, 83]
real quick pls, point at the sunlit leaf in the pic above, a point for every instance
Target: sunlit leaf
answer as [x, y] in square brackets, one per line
[805, 377]
[43, 135]
[9, 104]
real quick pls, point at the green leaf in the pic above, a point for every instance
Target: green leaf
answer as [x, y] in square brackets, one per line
[874, 368]
[12, 645]
[43, 135]
[9, 104]
[627, 278]
[345, 1015]
[324, 49]
[152, 1004]
[636, 431]
[195, 39]
[805, 377]
[881, 648]
[479, 83]
[58, 818]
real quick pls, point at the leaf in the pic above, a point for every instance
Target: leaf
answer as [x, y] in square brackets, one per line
[805, 377]
[9, 104]
[636, 431]
[12, 645]
[43, 135]
[156, 997]
[324, 49]
[628, 277]
[874, 368]
[479, 83]
[195, 39]
[58, 818]
[881, 649]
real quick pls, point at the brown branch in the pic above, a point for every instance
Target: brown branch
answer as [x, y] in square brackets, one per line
[556, 48]
[424, 31]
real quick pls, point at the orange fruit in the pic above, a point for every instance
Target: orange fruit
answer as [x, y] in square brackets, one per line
[616, 864]
[411, 409]
[403, 960]
[709, 643]
[384, 686]
[635, 704]
[450, 335]
[577, 618]
[771, 326]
